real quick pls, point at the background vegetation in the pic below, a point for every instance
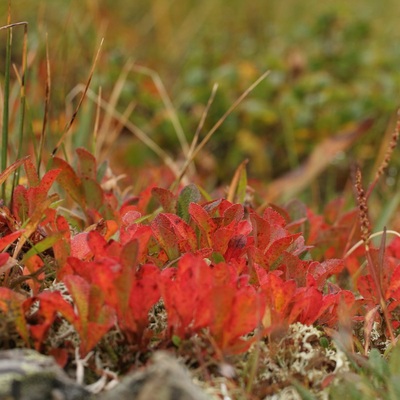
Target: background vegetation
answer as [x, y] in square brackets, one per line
[329, 101]
[333, 65]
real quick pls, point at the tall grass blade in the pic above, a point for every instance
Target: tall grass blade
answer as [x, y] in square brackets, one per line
[46, 108]
[4, 135]
[196, 137]
[168, 105]
[136, 131]
[71, 121]
[195, 152]
[23, 104]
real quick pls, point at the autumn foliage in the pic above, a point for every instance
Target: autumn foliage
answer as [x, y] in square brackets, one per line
[218, 269]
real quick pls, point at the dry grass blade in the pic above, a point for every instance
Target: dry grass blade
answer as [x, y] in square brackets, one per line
[23, 103]
[202, 120]
[6, 173]
[136, 131]
[235, 181]
[4, 133]
[227, 113]
[388, 154]
[374, 270]
[71, 121]
[196, 136]
[195, 152]
[14, 24]
[104, 138]
[293, 182]
[168, 105]
[96, 125]
[46, 107]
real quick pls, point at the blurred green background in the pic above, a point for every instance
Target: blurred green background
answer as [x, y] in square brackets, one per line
[333, 64]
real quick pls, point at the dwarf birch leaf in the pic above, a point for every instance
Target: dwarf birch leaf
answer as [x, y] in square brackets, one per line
[69, 181]
[31, 173]
[393, 291]
[87, 164]
[203, 221]
[7, 240]
[189, 194]
[6, 173]
[166, 198]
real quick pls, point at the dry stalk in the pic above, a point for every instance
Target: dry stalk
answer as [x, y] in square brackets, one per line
[365, 227]
[71, 121]
[389, 151]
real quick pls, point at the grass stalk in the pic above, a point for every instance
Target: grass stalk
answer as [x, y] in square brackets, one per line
[135, 130]
[218, 124]
[389, 151]
[46, 108]
[71, 121]
[4, 135]
[167, 104]
[365, 235]
[23, 105]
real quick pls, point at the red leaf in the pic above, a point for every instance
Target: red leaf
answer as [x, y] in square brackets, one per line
[233, 213]
[367, 289]
[165, 236]
[203, 221]
[166, 198]
[7, 172]
[274, 218]
[20, 205]
[144, 294]
[94, 317]
[393, 291]
[277, 247]
[306, 306]
[244, 314]
[31, 173]
[69, 181]
[322, 271]
[261, 231]
[278, 295]
[185, 292]
[10, 238]
[80, 247]
[50, 303]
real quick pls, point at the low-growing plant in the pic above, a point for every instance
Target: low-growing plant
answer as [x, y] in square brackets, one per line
[89, 268]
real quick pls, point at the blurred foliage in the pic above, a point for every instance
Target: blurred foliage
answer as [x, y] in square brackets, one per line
[377, 378]
[333, 64]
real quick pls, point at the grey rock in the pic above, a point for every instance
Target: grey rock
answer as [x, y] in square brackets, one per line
[28, 375]
[164, 379]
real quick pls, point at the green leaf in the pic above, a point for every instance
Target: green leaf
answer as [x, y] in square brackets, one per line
[189, 194]
[242, 187]
[42, 246]
[176, 340]
[378, 364]
[304, 393]
[394, 362]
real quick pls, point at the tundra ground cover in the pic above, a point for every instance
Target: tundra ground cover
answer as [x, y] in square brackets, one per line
[94, 270]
